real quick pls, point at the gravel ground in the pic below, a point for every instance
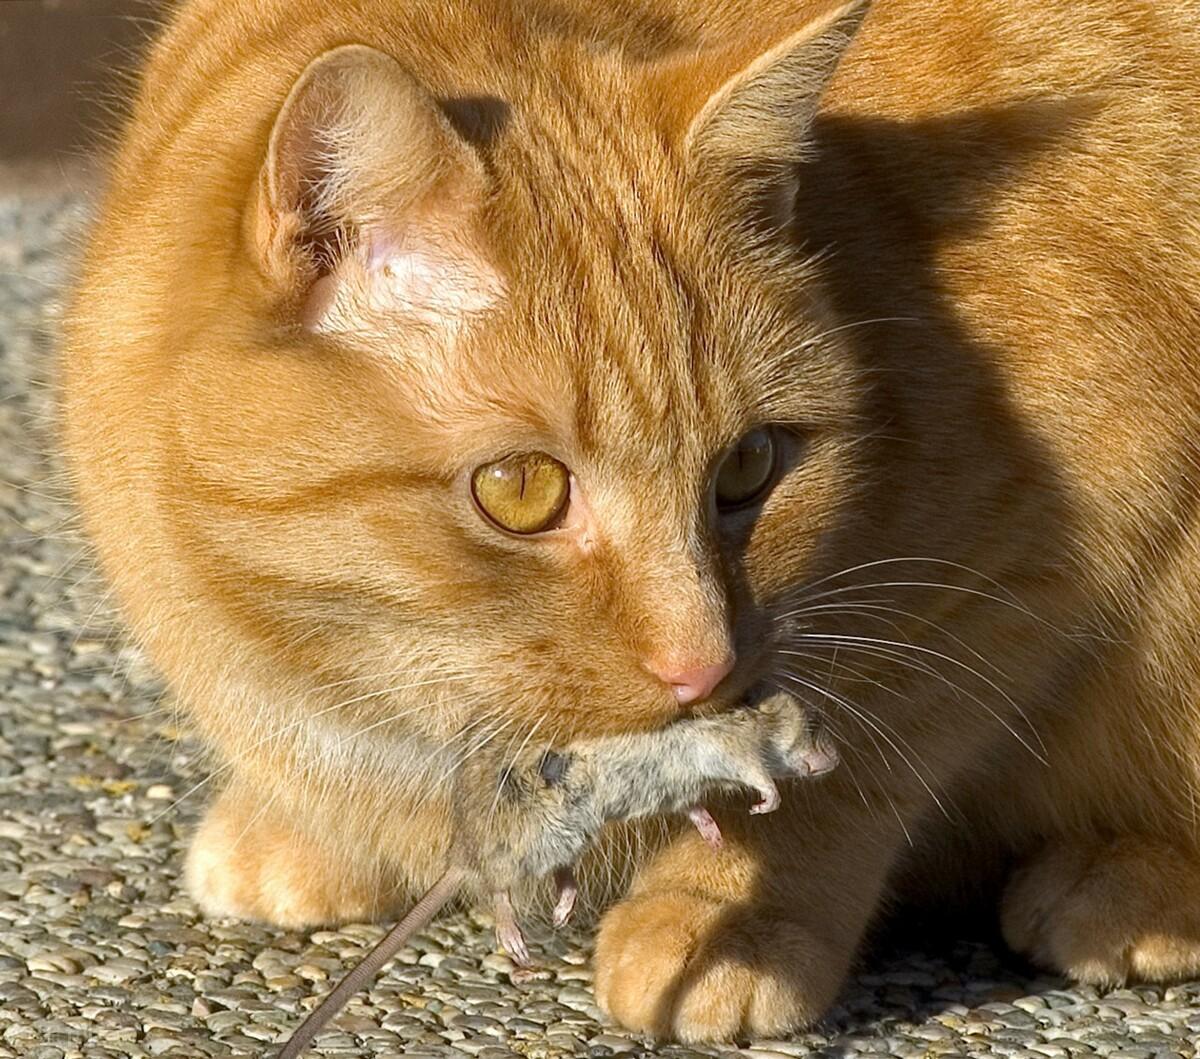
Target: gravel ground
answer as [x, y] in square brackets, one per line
[102, 955]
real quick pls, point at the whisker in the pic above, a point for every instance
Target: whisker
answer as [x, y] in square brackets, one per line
[879, 727]
[219, 771]
[941, 585]
[883, 758]
[927, 622]
[933, 560]
[883, 790]
[520, 750]
[387, 673]
[478, 747]
[850, 641]
[808, 343]
[869, 608]
[856, 675]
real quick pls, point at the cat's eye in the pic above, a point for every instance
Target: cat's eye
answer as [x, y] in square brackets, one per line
[523, 493]
[746, 470]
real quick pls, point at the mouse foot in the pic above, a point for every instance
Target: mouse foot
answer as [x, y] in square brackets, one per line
[525, 975]
[768, 801]
[568, 891]
[709, 830]
[508, 931]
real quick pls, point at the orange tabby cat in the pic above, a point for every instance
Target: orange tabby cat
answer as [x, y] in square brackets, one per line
[465, 372]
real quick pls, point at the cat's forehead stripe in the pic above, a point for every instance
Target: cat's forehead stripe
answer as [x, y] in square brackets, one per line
[625, 319]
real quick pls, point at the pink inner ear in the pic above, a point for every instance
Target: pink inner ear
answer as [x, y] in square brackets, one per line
[424, 280]
[368, 187]
[423, 277]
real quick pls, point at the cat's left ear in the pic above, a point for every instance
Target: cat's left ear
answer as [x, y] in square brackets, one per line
[365, 213]
[748, 110]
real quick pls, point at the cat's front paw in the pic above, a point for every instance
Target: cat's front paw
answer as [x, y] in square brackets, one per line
[677, 965]
[244, 863]
[1107, 912]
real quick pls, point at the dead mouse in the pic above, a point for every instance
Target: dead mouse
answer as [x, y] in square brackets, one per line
[548, 806]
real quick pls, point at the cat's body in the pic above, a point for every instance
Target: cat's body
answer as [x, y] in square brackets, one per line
[555, 228]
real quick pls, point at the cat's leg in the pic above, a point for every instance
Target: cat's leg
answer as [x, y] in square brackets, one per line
[250, 860]
[755, 938]
[1107, 911]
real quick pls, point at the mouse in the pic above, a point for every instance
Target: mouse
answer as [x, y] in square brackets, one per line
[548, 805]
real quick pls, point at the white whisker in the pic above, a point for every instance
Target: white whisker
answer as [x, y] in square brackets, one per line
[879, 727]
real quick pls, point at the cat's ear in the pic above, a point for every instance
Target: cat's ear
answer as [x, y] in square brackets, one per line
[749, 109]
[365, 205]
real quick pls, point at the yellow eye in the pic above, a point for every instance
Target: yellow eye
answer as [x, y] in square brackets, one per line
[746, 470]
[525, 493]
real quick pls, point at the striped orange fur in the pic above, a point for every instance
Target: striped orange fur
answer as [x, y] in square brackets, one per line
[351, 251]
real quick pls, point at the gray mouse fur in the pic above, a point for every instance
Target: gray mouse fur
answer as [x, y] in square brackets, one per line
[548, 806]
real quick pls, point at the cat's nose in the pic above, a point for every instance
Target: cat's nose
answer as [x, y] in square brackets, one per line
[691, 682]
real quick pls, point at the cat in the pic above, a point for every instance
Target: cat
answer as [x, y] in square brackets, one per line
[460, 373]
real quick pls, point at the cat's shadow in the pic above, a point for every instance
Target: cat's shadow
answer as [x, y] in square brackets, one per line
[921, 963]
[881, 201]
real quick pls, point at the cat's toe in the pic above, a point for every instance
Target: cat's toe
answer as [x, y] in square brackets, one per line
[675, 965]
[1107, 912]
[259, 869]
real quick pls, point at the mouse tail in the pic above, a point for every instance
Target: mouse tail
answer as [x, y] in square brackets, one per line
[368, 967]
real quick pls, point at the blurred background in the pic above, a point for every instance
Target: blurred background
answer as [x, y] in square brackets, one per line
[64, 68]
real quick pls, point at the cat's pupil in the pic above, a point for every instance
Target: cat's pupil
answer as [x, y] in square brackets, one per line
[746, 470]
[524, 493]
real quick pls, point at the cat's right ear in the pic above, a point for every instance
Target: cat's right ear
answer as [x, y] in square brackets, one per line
[746, 111]
[364, 210]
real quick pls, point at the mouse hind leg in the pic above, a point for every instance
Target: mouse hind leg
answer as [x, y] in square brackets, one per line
[1107, 911]
[508, 930]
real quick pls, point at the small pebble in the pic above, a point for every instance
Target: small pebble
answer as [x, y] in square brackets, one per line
[104, 956]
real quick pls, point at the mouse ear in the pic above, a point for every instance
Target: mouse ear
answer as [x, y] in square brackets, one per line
[366, 199]
[747, 110]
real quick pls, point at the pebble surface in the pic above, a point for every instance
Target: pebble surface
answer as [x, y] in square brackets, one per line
[103, 956]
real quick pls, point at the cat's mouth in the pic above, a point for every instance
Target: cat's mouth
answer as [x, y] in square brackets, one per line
[754, 696]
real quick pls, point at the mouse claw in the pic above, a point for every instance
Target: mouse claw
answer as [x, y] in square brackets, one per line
[568, 891]
[508, 931]
[768, 801]
[709, 830]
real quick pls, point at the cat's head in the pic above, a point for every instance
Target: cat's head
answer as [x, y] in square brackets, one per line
[520, 413]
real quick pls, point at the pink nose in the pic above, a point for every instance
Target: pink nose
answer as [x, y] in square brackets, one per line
[691, 683]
